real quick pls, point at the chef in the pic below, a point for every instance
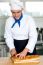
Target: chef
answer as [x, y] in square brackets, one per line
[20, 31]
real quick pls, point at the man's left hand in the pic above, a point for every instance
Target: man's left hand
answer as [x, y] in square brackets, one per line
[23, 53]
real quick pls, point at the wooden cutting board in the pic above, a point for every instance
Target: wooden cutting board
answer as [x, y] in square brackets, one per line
[28, 59]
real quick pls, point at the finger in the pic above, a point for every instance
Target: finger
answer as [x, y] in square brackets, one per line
[21, 56]
[17, 55]
[12, 55]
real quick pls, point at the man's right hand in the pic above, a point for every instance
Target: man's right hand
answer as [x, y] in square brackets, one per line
[13, 52]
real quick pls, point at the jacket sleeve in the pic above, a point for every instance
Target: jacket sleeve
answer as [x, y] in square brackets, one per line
[32, 35]
[8, 35]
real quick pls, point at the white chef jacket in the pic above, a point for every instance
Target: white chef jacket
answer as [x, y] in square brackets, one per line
[27, 30]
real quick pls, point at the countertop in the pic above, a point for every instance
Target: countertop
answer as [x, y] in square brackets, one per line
[7, 61]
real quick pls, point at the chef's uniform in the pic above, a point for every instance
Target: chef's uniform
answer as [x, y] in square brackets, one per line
[21, 33]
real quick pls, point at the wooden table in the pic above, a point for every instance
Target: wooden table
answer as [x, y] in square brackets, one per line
[7, 61]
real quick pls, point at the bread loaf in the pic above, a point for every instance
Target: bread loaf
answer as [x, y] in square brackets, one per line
[27, 59]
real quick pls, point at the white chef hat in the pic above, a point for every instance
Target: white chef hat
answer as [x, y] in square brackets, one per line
[16, 5]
